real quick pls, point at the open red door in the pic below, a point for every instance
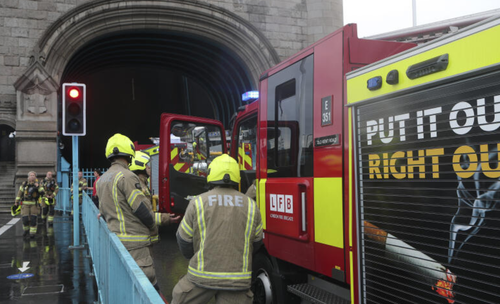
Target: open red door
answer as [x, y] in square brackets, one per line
[187, 146]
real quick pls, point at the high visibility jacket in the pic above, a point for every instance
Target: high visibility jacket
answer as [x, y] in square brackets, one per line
[144, 185]
[82, 182]
[29, 193]
[160, 218]
[222, 226]
[126, 210]
[49, 187]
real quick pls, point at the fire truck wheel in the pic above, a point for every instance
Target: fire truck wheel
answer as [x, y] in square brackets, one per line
[262, 283]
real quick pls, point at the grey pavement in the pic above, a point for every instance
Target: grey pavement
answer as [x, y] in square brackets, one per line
[59, 275]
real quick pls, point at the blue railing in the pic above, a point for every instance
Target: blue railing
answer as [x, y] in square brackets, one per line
[88, 174]
[63, 200]
[119, 278]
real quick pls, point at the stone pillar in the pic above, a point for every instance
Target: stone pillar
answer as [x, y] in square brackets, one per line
[36, 123]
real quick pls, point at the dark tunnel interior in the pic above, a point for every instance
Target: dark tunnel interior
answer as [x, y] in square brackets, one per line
[132, 77]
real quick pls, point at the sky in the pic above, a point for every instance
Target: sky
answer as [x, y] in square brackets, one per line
[381, 16]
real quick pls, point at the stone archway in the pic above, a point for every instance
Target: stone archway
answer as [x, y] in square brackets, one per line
[37, 88]
[97, 18]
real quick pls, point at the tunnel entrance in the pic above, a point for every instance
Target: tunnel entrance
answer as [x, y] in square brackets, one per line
[7, 143]
[134, 76]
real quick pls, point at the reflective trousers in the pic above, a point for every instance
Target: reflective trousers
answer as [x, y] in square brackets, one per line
[144, 259]
[48, 210]
[187, 292]
[29, 214]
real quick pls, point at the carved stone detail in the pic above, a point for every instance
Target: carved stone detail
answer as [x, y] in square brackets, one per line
[36, 94]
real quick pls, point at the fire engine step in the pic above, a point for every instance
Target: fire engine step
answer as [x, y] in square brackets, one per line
[315, 294]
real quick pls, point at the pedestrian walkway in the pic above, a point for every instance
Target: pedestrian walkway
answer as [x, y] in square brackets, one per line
[44, 269]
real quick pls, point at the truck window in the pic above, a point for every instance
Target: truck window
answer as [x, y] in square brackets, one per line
[290, 121]
[247, 144]
[193, 147]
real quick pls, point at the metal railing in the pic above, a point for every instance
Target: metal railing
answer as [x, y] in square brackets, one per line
[63, 202]
[88, 174]
[119, 278]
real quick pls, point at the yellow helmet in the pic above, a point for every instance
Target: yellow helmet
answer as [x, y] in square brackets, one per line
[119, 145]
[224, 170]
[139, 161]
[15, 210]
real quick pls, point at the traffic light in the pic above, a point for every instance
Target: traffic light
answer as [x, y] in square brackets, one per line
[73, 107]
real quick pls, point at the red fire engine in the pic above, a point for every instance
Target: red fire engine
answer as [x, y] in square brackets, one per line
[293, 142]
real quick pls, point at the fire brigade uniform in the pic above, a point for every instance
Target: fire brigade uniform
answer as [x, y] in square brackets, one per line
[138, 166]
[218, 233]
[50, 188]
[126, 210]
[28, 195]
[252, 191]
[82, 183]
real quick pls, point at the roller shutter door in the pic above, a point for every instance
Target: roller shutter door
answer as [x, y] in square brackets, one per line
[428, 194]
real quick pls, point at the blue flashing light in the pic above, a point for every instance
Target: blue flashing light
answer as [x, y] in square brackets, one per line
[374, 83]
[250, 95]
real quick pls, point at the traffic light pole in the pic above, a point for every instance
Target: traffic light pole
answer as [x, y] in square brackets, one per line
[76, 198]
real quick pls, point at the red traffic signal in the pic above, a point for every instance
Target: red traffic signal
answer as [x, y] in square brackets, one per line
[74, 93]
[74, 109]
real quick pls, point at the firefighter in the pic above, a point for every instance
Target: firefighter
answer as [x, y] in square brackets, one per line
[252, 191]
[82, 185]
[218, 234]
[28, 194]
[125, 208]
[48, 200]
[140, 166]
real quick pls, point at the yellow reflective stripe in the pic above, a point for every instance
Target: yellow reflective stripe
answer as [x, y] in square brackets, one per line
[258, 230]
[29, 203]
[119, 212]
[133, 238]
[328, 211]
[174, 153]
[158, 218]
[178, 166]
[261, 200]
[351, 214]
[187, 229]
[241, 152]
[133, 196]
[201, 225]
[221, 275]
[18, 198]
[247, 158]
[154, 238]
[248, 232]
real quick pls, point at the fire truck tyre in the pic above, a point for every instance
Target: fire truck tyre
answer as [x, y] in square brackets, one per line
[263, 282]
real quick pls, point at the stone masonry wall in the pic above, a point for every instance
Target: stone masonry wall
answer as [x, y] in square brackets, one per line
[289, 25]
